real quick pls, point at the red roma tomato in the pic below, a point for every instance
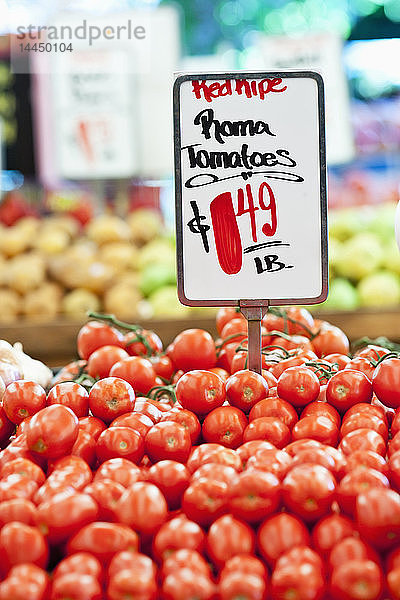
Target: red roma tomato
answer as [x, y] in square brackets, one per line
[20, 543]
[17, 509]
[347, 388]
[176, 534]
[254, 495]
[299, 555]
[136, 421]
[72, 395]
[185, 583]
[369, 409]
[373, 352]
[121, 470]
[244, 563]
[23, 399]
[188, 419]
[245, 388]
[92, 425]
[242, 585]
[277, 408]
[329, 340]
[329, 531]
[17, 486]
[7, 428]
[304, 580]
[309, 490]
[137, 371]
[386, 382]
[378, 517]
[143, 507]
[200, 391]
[357, 576]
[226, 314]
[185, 558]
[340, 359]
[24, 467]
[350, 548]
[64, 514]
[111, 397]
[213, 453]
[70, 472]
[135, 347]
[205, 500]
[279, 533]
[274, 461]
[52, 432]
[226, 355]
[269, 429]
[228, 537]
[235, 329]
[248, 449]
[366, 459]
[393, 583]
[134, 561]
[394, 445]
[363, 420]
[132, 583]
[363, 439]
[220, 372]
[314, 456]
[394, 470]
[287, 363]
[222, 473]
[103, 540]
[298, 386]
[297, 446]
[319, 428]
[358, 480]
[193, 349]
[25, 581]
[364, 365]
[76, 586]
[168, 440]
[322, 409]
[106, 492]
[172, 478]
[102, 359]
[70, 371]
[94, 335]
[162, 366]
[120, 442]
[225, 425]
[85, 447]
[81, 562]
[143, 406]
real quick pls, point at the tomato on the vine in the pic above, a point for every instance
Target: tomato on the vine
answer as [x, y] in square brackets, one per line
[22, 399]
[72, 395]
[200, 391]
[111, 397]
[225, 425]
[101, 360]
[94, 335]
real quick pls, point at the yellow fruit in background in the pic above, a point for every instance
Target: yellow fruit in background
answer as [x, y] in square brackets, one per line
[79, 302]
[379, 289]
[29, 225]
[43, 303]
[10, 306]
[14, 241]
[165, 303]
[129, 278]
[99, 277]
[157, 251]
[25, 272]
[52, 241]
[359, 256]
[145, 225]
[62, 222]
[122, 301]
[108, 228]
[391, 258]
[120, 255]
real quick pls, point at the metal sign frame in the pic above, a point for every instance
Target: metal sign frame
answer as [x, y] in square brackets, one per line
[178, 187]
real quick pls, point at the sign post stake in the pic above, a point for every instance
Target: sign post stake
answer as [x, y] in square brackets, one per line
[254, 315]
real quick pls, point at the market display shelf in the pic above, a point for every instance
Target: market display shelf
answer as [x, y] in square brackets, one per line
[55, 342]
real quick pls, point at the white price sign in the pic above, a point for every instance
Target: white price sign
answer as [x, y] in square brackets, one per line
[250, 188]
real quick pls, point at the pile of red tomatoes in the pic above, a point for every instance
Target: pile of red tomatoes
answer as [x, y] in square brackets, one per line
[145, 474]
